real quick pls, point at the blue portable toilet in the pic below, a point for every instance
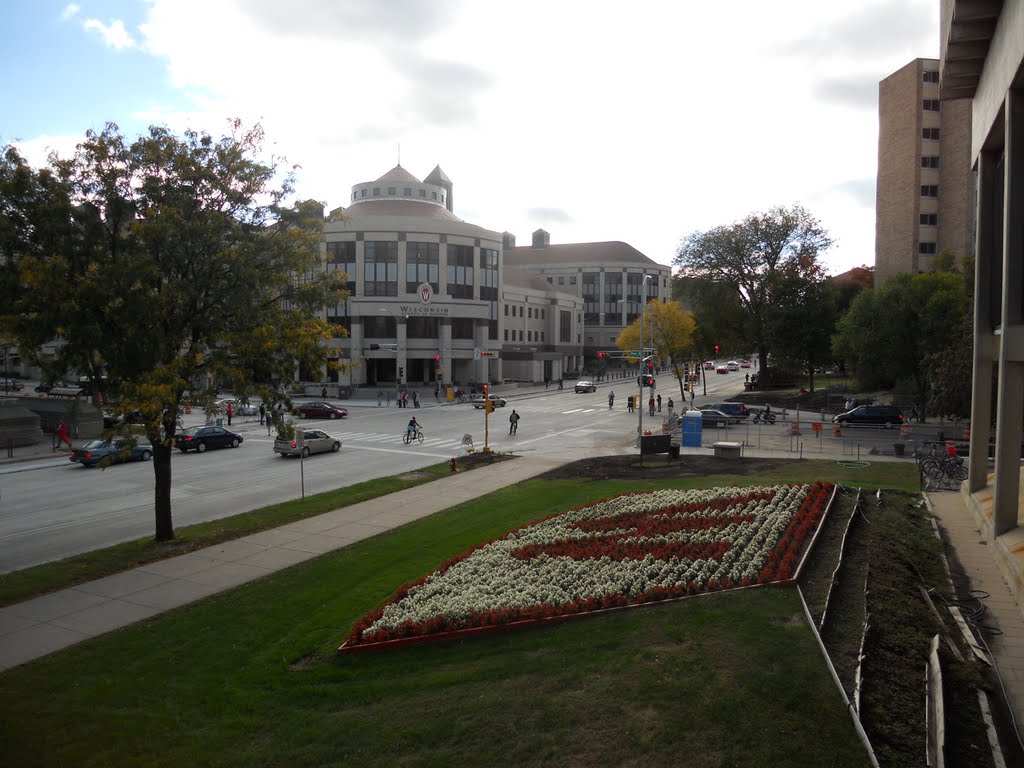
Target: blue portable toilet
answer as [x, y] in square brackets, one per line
[693, 425]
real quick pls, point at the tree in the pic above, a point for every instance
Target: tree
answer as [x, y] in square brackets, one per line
[888, 334]
[719, 316]
[951, 372]
[163, 267]
[668, 329]
[750, 258]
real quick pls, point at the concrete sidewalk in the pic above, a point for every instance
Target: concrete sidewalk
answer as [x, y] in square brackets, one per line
[37, 627]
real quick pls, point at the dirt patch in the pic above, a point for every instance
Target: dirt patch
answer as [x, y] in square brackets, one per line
[659, 467]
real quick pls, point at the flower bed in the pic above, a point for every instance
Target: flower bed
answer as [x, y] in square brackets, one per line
[629, 549]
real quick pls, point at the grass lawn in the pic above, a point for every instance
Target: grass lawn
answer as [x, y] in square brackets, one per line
[250, 677]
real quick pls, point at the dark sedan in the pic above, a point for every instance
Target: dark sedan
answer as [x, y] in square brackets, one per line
[320, 410]
[715, 418]
[108, 452]
[201, 438]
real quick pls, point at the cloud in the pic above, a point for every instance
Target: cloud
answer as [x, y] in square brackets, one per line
[70, 11]
[402, 21]
[114, 34]
[861, 190]
[874, 29]
[856, 92]
[549, 216]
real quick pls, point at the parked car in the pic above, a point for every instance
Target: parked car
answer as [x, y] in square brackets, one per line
[738, 411]
[709, 365]
[240, 408]
[111, 419]
[312, 441]
[112, 451]
[888, 416]
[496, 401]
[712, 418]
[201, 438]
[732, 365]
[320, 410]
[723, 368]
[744, 363]
[585, 386]
[10, 385]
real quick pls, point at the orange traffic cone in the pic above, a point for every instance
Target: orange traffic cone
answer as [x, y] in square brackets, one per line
[794, 427]
[836, 430]
[904, 431]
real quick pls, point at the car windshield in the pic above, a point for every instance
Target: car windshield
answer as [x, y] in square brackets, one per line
[93, 444]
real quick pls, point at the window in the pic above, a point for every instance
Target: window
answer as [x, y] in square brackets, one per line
[929, 190]
[422, 327]
[376, 191]
[506, 310]
[529, 335]
[380, 268]
[489, 278]
[930, 161]
[434, 194]
[460, 271]
[612, 292]
[930, 219]
[341, 258]
[421, 266]
[572, 280]
[423, 193]
[362, 193]
[520, 335]
[930, 76]
[930, 105]
[926, 249]
[564, 326]
[561, 281]
[930, 134]
[407, 191]
[591, 286]
[462, 328]
[391, 190]
[529, 313]
[506, 334]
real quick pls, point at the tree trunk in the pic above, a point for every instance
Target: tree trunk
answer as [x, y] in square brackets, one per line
[162, 500]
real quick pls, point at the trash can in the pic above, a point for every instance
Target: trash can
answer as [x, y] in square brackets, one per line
[693, 425]
[897, 449]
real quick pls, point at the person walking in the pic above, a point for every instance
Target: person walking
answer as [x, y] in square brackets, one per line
[263, 413]
[380, 397]
[659, 402]
[561, 384]
[692, 395]
[650, 404]
[323, 392]
[437, 392]
[62, 434]
[389, 398]
[513, 422]
[231, 412]
[415, 399]
[671, 405]
[405, 398]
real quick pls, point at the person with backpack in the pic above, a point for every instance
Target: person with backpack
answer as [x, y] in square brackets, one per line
[513, 422]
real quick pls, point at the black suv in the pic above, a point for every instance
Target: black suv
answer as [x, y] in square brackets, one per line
[888, 416]
[736, 411]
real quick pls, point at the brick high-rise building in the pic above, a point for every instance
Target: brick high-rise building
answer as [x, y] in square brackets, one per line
[924, 196]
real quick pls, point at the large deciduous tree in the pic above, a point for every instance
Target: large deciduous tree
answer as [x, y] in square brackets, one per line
[752, 258]
[889, 333]
[164, 266]
[668, 330]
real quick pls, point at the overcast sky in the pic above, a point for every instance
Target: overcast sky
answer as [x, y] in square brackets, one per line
[596, 120]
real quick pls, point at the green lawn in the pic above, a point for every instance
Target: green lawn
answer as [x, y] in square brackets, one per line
[250, 677]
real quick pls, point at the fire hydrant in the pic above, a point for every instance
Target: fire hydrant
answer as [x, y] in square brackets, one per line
[454, 464]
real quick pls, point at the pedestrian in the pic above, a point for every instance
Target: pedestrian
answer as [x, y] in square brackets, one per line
[62, 434]
[388, 396]
[231, 412]
[629, 404]
[671, 405]
[659, 403]
[748, 378]
[692, 394]
[513, 422]
[547, 382]
[437, 392]
[270, 421]
[560, 384]
[323, 392]
[263, 412]
[405, 398]
[650, 404]
[415, 399]
[380, 397]
[611, 399]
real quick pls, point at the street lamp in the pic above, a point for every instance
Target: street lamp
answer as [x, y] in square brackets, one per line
[640, 377]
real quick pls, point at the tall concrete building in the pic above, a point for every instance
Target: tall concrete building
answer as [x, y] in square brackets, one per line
[923, 201]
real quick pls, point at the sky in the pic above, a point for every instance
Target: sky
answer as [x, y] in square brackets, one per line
[596, 120]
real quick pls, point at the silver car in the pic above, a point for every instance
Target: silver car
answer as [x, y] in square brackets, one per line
[305, 442]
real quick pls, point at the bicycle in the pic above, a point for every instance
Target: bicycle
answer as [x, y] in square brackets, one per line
[938, 470]
[408, 437]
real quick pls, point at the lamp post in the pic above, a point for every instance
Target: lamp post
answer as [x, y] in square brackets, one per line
[640, 376]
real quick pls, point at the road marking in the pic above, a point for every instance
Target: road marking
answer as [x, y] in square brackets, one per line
[575, 410]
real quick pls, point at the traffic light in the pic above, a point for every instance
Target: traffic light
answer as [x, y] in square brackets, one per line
[650, 366]
[649, 381]
[484, 390]
[437, 361]
[716, 350]
[401, 371]
[600, 355]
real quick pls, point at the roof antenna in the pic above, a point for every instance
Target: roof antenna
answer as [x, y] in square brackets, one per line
[399, 153]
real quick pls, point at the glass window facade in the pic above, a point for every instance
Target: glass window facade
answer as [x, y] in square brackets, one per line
[460, 271]
[421, 266]
[380, 268]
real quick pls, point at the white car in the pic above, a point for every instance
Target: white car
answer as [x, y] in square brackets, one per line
[496, 401]
[240, 408]
[732, 365]
[585, 386]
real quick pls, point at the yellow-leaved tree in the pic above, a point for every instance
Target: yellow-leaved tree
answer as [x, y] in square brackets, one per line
[668, 330]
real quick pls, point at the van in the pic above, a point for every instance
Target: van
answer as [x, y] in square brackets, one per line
[888, 416]
[736, 411]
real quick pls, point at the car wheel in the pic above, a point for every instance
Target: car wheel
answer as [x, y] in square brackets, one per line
[888, 425]
[234, 442]
[332, 416]
[201, 447]
[305, 453]
[336, 447]
[146, 455]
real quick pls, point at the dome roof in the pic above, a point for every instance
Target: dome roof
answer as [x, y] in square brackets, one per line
[399, 174]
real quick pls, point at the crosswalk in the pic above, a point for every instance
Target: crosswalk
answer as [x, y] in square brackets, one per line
[392, 439]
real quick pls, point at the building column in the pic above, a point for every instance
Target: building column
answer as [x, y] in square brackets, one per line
[1010, 414]
[401, 350]
[444, 341]
[986, 249]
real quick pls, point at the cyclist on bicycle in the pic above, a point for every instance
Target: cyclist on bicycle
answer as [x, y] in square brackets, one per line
[413, 426]
[611, 398]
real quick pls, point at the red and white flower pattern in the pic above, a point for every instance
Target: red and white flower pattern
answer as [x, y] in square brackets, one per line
[629, 549]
